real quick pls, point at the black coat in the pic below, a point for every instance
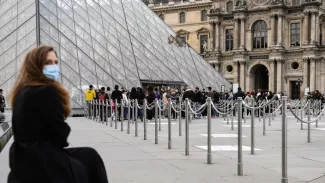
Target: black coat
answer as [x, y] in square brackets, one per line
[117, 94]
[189, 94]
[38, 153]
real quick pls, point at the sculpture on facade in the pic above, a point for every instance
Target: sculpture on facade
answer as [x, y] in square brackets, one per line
[240, 4]
[277, 2]
[205, 46]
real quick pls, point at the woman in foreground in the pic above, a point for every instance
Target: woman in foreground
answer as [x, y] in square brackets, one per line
[40, 105]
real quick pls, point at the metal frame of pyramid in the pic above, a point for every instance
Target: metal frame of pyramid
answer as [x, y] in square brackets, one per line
[99, 42]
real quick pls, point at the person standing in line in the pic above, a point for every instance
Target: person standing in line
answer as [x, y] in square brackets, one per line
[141, 97]
[2, 102]
[133, 97]
[117, 95]
[90, 95]
[40, 106]
[109, 92]
[125, 104]
[150, 99]
[102, 99]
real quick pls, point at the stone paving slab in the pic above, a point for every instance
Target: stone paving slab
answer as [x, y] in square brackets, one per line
[132, 159]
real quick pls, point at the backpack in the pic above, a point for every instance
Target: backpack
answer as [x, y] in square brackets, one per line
[101, 97]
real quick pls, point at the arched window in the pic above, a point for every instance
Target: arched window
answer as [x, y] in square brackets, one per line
[182, 17]
[204, 15]
[260, 34]
[161, 16]
[230, 6]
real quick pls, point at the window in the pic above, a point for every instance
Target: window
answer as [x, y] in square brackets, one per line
[161, 16]
[182, 17]
[321, 34]
[182, 38]
[229, 39]
[203, 43]
[295, 2]
[295, 34]
[229, 6]
[260, 35]
[204, 15]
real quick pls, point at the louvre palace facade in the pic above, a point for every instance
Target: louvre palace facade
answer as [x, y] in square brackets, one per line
[275, 45]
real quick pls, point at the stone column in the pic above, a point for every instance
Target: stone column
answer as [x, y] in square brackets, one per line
[279, 76]
[236, 34]
[242, 76]
[322, 76]
[151, 4]
[312, 75]
[217, 36]
[273, 28]
[271, 76]
[313, 28]
[280, 31]
[306, 28]
[242, 33]
[212, 35]
[235, 64]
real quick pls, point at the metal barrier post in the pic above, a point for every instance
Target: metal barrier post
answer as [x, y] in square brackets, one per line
[224, 110]
[308, 125]
[103, 111]
[227, 113]
[301, 112]
[145, 119]
[159, 104]
[259, 113]
[264, 133]
[122, 114]
[156, 121]
[275, 106]
[232, 115]
[187, 148]
[180, 117]
[91, 110]
[209, 155]
[112, 117]
[284, 178]
[136, 118]
[190, 118]
[270, 113]
[169, 123]
[240, 148]
[116, 115]
[129, 116]
[133, 108]
[252, 132]
[107, 103]
[296, 112]
[317, 110]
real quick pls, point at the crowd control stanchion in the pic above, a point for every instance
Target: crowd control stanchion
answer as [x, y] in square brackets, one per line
[169, 123]
[156, 121]
[252, 132]
[190, 118]
[224, 110]
[240, 148]
[97, 111]
[116, 115]
[187, 148]
[232, 115]
[284, 178]
[301, 115]
[308, 125]
[145, 119]
[122, 114]
[227, 113]
[317, 110]
[264, 133]
[270, 113]
[136, 118]
[259, 113]
[133, 108]
[209, 155]
[160, 107]
[112, 117]
[129, 116]
[180, 117]
[274, 106]
[107, 104]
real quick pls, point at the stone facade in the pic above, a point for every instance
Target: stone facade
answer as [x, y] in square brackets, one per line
[275, 45]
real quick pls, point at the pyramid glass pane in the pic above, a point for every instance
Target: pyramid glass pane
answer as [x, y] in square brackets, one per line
[98, 42]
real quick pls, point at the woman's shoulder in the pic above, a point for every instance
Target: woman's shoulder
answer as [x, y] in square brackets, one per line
[41, 90]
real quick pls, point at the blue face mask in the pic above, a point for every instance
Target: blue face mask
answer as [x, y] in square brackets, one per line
[51, 71]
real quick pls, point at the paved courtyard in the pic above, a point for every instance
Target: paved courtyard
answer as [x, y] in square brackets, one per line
[132, 159]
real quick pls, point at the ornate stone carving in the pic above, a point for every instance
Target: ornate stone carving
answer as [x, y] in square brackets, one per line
[241, 5]
[260, 2]
[277, 2]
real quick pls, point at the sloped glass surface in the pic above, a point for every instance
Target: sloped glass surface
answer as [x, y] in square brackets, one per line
[99, 42]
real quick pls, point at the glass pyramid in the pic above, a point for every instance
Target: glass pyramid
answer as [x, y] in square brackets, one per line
[99, 42]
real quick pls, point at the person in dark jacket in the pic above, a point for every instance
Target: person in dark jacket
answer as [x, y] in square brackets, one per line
[133, 96]
[151, 96]
[2, 102]
[40, 106]
[141, 97]
[241, 94]
[189, 93]
[117, 95]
